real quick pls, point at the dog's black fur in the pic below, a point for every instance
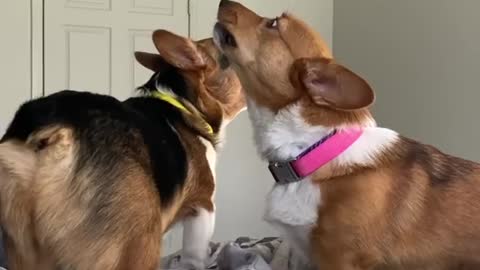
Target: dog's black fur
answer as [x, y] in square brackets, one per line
[110, 132]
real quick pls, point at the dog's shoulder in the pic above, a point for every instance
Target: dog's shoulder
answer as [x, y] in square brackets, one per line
[156, 122]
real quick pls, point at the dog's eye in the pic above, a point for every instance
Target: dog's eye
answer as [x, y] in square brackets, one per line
[223, 61]
[273, 23]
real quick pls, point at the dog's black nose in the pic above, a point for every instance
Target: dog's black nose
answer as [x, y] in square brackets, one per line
[223, 2]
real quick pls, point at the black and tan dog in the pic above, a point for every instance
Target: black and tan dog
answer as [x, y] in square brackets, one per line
[89, 182]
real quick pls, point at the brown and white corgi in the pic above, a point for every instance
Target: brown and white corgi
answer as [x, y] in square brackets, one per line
[90, 182]
[349, 195]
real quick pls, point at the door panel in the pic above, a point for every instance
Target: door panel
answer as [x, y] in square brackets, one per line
[89, 44]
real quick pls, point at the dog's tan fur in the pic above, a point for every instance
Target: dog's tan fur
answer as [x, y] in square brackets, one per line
[50, 221]
[45, 205]
[412, 208]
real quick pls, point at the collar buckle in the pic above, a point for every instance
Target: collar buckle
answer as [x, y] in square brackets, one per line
[283, 172]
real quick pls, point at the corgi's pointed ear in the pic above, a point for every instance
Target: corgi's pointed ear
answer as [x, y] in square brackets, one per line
[330, 84]
[178, 51]
[152, 61]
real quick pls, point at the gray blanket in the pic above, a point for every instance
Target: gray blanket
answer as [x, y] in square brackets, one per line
[241, 254]
[247, 254]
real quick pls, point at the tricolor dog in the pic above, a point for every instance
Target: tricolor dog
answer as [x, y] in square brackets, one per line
[348, 194]
[88, 182]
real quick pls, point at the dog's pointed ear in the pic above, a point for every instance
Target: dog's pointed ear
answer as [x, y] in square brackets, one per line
[330, 84]
[178, 51]
[152, 61]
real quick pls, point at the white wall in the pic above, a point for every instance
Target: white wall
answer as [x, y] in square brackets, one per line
[243, 180]
[423, 58]
[15, 51]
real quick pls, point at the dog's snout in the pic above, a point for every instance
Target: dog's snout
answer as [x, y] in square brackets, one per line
[223, 3]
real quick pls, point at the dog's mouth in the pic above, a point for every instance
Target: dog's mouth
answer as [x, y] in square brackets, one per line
[223, 37]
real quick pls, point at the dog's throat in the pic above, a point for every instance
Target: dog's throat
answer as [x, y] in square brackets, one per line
[314, 157]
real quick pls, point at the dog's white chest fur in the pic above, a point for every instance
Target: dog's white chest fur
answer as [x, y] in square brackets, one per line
[291, 208]
[294, 204]
[294, 208]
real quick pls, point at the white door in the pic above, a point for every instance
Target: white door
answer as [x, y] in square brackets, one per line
[89, 44]
[15, 55]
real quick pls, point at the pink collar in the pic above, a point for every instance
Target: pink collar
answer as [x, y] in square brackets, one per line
[316, 156]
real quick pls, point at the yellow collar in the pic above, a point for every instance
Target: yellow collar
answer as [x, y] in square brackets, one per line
[172, 99]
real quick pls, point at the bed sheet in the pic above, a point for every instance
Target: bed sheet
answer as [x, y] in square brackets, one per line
[247, 253]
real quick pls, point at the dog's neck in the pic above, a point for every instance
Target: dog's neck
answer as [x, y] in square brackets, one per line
[283, 135]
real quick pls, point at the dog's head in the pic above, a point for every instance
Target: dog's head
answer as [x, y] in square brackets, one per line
[195, 71]
[282, 60]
